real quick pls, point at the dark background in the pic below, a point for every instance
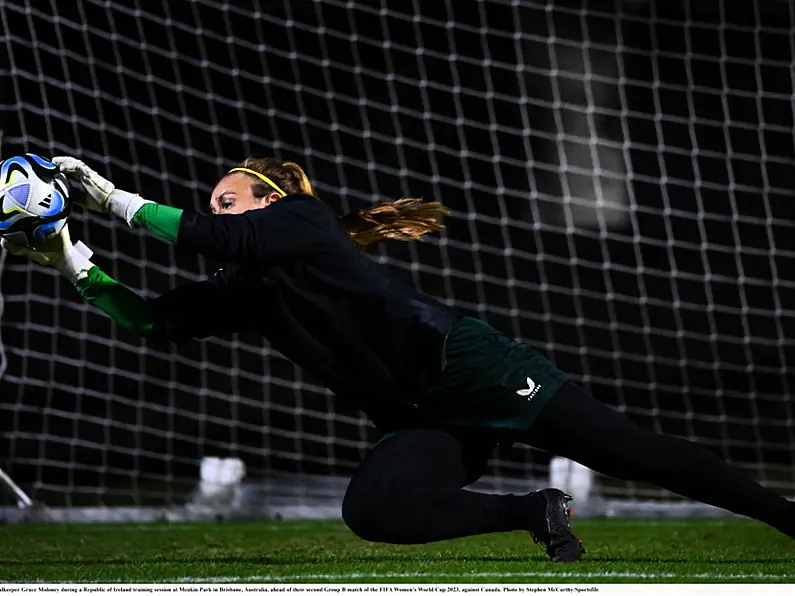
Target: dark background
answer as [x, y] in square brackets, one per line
[682, 316]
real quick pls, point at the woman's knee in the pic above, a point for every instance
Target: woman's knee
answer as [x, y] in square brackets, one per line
[367, 516]
[378, 503]
[372, 505]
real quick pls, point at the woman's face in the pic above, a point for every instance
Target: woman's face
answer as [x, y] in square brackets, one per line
[233, 195]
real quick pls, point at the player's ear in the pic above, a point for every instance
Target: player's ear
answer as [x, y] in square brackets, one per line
[270, 198]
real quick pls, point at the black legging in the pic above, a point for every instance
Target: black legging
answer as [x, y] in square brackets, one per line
[408, 489]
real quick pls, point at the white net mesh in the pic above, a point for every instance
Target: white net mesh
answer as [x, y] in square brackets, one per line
[621, 186]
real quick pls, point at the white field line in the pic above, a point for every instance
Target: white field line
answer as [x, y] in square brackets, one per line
[475, 577]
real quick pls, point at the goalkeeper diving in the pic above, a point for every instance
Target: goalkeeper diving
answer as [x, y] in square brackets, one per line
[444, 388]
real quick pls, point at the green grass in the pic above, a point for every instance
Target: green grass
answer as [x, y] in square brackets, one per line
[633, 551]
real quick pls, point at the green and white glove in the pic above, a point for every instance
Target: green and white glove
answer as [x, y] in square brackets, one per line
[101, 194]
[70, 260]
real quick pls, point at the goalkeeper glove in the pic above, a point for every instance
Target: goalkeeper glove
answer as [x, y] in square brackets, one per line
[100, 193]
[70, 260]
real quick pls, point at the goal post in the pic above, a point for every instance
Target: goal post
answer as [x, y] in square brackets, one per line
[621, 187]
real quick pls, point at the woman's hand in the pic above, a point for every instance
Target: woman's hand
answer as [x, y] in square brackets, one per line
[70, 260]
[100, 193]
[97, 189]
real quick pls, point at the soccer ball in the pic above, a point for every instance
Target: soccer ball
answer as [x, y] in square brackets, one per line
[34, 199]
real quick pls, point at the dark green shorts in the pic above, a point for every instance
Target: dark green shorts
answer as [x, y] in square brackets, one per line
[489, 381]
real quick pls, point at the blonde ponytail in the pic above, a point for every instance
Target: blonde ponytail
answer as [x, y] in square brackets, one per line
[405, 219]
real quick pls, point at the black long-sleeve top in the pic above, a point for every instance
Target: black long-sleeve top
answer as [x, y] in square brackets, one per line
[294, 274]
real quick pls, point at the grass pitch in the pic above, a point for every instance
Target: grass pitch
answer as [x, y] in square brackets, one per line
[619, 551]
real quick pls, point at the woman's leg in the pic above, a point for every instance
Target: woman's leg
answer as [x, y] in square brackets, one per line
[578, 427]
[409, 491]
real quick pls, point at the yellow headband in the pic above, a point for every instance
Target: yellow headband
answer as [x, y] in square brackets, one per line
[262, 177]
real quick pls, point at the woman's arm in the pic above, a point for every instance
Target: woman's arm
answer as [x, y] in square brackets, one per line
[125, 307]
[293, 226]
[189, 311]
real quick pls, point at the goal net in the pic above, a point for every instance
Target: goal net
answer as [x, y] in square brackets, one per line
[621, 191]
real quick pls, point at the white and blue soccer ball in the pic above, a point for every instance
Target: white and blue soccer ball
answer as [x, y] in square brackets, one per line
[34, 199]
